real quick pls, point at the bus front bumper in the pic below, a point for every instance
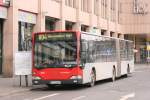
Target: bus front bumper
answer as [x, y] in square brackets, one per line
[57, 82]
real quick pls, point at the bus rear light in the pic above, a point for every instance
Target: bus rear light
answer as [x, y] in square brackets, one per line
[76, 77]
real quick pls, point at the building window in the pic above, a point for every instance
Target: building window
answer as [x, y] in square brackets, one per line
[69, 25]
[112, 34]
[119, 35]
[74, 4]
[70, 3]
[84, 28]
[57, 1]
[85, 5]
[81, 5]
[96, 7]
[103, 32]
[119, 11]
[50, 23]
[25, 33]
[113, 6]
[104, 9]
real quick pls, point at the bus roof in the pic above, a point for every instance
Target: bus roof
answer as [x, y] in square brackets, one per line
[54, 31]
[98, 34]
[82, 32]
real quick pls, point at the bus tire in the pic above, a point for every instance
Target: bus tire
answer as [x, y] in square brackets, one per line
[113, 74]
[93, 79]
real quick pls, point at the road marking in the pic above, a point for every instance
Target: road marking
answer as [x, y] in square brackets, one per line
[126, 97]
[78, 98]
[51, 95]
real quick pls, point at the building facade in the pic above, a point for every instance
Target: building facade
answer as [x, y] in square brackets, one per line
[19, 18]
[134, 17]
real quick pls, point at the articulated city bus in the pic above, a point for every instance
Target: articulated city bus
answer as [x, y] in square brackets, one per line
[70, 57]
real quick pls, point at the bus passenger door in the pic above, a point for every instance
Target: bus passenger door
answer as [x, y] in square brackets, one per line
[84, 60]
[118, 68]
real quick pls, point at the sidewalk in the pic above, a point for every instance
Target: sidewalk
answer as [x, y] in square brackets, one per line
[141, 66]
[12, 85]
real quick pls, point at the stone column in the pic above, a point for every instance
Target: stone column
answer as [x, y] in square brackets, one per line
[108, 18]
[40, 26]
[116, 17]
[10, 39]
[107, 32]
[77, 25]
[99, 16]
[114, 34]
[91, 12]
[60, 24]
[121, 36]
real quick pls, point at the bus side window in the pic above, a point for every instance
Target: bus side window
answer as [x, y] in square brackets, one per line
[83, 51]
[91, 51]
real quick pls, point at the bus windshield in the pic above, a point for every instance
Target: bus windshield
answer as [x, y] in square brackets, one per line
[55, 53]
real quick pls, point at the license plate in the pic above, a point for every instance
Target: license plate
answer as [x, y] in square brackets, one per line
[55, 82]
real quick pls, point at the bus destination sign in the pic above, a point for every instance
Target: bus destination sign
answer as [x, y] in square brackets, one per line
[53, 36]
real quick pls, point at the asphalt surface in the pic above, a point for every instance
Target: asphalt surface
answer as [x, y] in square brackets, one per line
[134, 87]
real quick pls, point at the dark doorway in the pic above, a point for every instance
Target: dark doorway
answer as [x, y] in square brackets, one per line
[84, 28]
[50, 23]
[69, 25]
[1, 42]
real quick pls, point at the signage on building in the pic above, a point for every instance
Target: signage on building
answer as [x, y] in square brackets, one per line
[3, 12]
[27, 17]
[141, 6]
[23, 63]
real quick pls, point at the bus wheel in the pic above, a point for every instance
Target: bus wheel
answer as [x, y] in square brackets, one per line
[113, 74]
[93, 79]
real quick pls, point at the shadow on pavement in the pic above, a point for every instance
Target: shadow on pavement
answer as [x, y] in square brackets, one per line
[72, 87]
[58, 88]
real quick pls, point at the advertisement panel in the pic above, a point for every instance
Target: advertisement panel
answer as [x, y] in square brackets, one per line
[3, 12]
[23, 63]
[27, 17]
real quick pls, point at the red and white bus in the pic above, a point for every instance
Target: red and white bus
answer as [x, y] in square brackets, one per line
[72, 57]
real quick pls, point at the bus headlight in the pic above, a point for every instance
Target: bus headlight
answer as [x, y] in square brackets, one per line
[76, 77]
[36, 78]
[33, 73]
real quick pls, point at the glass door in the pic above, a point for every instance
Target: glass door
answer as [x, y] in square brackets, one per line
[143, 55]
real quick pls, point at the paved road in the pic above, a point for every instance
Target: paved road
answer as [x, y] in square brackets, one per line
[135, 87]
